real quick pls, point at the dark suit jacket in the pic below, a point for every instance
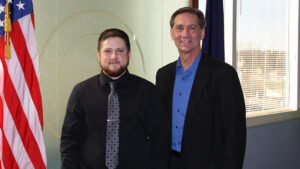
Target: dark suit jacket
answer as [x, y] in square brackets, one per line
[143, 131]
[214, 134]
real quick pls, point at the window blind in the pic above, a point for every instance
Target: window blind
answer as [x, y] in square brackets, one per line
[265, 49]
[263, 56]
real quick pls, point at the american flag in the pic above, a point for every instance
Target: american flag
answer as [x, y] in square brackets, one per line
[21, 115]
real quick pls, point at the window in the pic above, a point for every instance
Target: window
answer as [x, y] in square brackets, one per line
[261, 42]
[266, 54]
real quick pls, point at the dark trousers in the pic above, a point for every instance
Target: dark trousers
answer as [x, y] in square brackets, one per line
[176, 160]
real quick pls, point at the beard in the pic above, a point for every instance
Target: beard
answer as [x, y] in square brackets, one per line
[114, 73]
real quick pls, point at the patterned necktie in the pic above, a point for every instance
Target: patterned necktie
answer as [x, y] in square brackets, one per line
[112, 133]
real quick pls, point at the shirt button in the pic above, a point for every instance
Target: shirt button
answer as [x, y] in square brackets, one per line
[180, 94]
[177, 110]
[179, 142]
[176, 126]
[183, 78]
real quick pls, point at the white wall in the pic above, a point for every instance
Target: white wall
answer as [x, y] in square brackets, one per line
[67, 33]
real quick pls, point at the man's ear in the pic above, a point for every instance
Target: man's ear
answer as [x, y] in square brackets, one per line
[202, 33]
[129, 54]
[171, 33]
[98, 55]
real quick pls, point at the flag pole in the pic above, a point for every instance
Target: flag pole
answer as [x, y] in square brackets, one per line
[7, 29]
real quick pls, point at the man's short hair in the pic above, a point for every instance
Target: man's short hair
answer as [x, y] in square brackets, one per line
[197, 12]
[114, 32]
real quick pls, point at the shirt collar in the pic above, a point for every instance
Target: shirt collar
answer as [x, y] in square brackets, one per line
[193, 67]
[104, 80]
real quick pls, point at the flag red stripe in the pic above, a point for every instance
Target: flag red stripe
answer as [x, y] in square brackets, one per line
[32, 19]
[1, 125]
[21, 123]
[1, 119]
[2, 148]
[2, 44]
[19, 44]
[8, 158]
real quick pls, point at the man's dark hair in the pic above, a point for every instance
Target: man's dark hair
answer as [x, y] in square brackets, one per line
[114, 32]
[197, 12]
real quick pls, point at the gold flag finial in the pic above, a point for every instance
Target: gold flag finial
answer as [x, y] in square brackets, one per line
[7, 29]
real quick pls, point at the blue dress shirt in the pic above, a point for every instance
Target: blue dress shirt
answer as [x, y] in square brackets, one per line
[182, 88]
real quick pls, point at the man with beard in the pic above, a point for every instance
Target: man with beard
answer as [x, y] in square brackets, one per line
[114, 119]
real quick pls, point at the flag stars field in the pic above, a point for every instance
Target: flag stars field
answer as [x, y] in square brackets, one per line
[1, 8]
[21, 5]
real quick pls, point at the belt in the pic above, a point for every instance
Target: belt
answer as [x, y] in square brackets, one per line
[176, 153]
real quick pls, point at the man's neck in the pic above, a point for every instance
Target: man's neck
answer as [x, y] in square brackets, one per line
[187, 59]
[116, 77]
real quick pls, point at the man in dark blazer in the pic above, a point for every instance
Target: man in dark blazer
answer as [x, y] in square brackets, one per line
[127, 133]
[203, 100]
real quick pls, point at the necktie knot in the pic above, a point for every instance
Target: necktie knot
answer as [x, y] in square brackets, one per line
[112, 87]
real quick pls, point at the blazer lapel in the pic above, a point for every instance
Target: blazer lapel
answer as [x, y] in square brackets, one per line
[171, 82]
[201, 77]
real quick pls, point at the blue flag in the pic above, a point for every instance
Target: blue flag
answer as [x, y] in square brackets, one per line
[213, 43]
